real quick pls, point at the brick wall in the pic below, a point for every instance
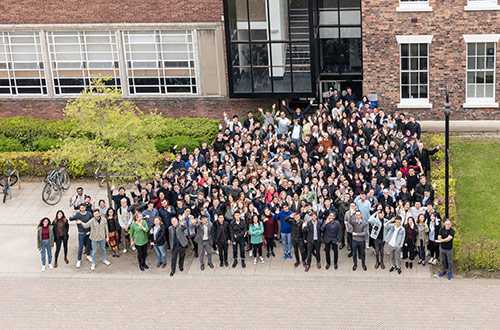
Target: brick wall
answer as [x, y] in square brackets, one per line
[109, 11]
[448, 22]
[191, 107]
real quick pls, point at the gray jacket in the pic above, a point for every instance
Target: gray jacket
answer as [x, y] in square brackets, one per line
[376, 224]
[199, 233]
[181, 235]
[98, 230]
[389, 230]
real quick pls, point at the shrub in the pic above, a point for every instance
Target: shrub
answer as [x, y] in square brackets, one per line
[46, 143]
[167, 144]
[9, 144]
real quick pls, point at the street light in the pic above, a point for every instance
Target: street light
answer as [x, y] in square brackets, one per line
[447, 111]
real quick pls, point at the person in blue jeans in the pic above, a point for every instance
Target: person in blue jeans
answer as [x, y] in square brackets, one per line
[158, 233]
[45, 241]
[83, 233]
[286, 231]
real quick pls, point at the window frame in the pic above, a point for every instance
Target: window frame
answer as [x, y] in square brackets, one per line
[414, 6]
[480, 5]
[414, 103]
[480, 102]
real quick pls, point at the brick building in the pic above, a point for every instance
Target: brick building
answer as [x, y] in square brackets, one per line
[203, 57]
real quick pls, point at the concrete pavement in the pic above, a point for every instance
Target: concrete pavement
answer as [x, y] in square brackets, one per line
[462, 126]
[270, 295]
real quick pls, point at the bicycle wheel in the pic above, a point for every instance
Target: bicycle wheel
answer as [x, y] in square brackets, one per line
[7, 191]
[51, 194]
[14, 178]
[65, 180]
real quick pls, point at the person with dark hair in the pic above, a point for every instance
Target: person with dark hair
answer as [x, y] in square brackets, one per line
[410, 244]
[297, 237]
[445, 239]
[82, 216]
[204, 240]
[113, 231]
[395, 238]
[158, 234]
[61, 235]
[377, 221]
[256, 230]
[221, 234]
[45, 241]
[271, 228]
[359, 228]
[98, 236]
[312, 238]
[331, 236]
[238, 231]
[179, 242]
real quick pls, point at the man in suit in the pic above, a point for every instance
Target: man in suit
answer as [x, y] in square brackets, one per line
[204, 239]
[331, 237]
[312, 235]
[238, 230]
[220, 232]
[296, 223]
[179, 242]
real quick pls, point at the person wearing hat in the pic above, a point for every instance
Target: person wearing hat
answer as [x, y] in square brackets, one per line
[331, 236]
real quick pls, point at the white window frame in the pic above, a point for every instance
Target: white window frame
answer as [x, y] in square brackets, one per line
[477, 5]
[414, 6]
[415, 103]
[481, 102]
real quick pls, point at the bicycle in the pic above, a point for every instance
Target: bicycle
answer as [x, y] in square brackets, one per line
[56, 182]
[8, 180]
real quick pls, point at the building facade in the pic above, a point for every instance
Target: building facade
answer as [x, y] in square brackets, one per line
[204, 57]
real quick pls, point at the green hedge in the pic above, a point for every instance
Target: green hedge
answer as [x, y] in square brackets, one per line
[33, 134]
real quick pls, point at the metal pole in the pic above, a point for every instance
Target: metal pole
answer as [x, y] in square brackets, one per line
[446, 156]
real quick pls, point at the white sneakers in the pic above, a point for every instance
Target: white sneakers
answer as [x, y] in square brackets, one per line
[124, 251]
[43, 268]
[261, 260]
[106, 262]
[89, 258]
[50, 266]
[251, 252]
[78, 263]
[92, 267]
[254, 261]
[133, 248]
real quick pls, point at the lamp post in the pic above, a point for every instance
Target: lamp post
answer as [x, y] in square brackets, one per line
[447, 111]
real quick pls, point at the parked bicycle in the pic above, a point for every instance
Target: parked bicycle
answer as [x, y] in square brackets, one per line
[8, 180]
[56, 183]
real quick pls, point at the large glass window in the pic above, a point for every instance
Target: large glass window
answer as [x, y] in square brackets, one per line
[340, 37]
[78, 57]
[21, 64]
[481, 71]
[269, 50]
[414, 71]
[160, 62]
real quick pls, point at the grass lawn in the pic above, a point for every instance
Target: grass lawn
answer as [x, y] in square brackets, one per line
[476, 166]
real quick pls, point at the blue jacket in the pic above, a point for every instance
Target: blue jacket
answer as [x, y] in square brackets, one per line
[286, 228]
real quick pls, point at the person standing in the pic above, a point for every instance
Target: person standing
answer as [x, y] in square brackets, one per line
[238, 234]
[45, 241]
[113, 230]
[331, 236]
[271, 228]
[348, 216]
[83, 234]
[179, 242]
[256, 230]
[139, 238]
[204, 240]
[359, 227]
[422, 238]
[77, 199]
[98, 236]
[221, 238]
[377, 220]
[61, 235]
[286, 231]
[395, 238]
[159, 240]
[125, 218]
[410, 247]
[445, 240]
[297, 236]
[312, 236]
[434, 226]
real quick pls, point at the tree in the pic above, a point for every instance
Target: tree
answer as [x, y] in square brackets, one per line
[115, 140]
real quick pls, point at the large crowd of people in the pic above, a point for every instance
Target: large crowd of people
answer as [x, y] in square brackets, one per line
[343, 175]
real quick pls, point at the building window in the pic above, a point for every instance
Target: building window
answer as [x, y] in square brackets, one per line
[269, 48]
[78, 57]
[480, 84]
[414, 71]
[474, 5]
[21, 64]
[160, 62]
[413, 6]
[340, 38]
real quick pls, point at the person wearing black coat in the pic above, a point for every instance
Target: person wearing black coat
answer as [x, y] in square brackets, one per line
[159, 239]
[331, 236]
[297, 238]
[238, 231]
[410, 243]
[424, 155]
[312, 236]
[221, 237]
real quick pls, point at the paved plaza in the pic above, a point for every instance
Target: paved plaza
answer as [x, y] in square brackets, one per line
[270, 295]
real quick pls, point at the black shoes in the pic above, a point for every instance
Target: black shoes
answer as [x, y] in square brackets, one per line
[221, 264]
[364, 267]
[392, 269]
[327, 266]
[335, 266]
[163, 265]
[202, 267]
[226, 264]
[171, 274]
[377, 265]
[318, 265]
[181, 269]
[235, 263]
[296, 264]
[141, 268]
[211, 265]
[406, 264]
[272, 253]
[307, 268]
[243, 264]
[349, 255]
[354, 267]
[399, 271]
[411, 265]
[382, 266]
[146, 266]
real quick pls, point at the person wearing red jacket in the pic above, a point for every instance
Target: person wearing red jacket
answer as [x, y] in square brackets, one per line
[270, 231]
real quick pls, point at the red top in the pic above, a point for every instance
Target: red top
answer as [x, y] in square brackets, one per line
[270, 227]
[45, 233]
